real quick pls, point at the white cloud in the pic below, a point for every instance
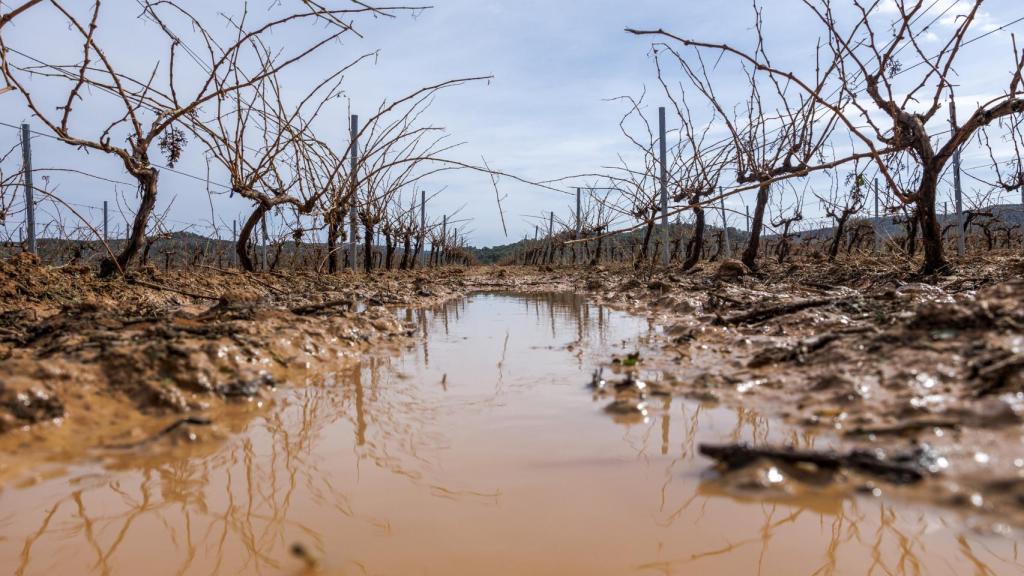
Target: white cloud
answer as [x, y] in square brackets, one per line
[949, 13]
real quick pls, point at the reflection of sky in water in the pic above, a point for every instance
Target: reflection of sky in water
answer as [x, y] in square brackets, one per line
[478, 450]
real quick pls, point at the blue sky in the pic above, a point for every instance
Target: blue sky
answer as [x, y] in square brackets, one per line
[545, 115]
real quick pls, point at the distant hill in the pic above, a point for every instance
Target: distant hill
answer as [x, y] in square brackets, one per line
[1010, 214]
[500, 253]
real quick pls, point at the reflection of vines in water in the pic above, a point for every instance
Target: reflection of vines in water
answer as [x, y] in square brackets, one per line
[802, 438]
[765, 534]
[26, 550]
[258, 475]
[236, 509]
[968, 550]
[836, 537]
[393, 419]
[391, 422]
[760, 427]
[769, 527]
[567, 308]
[906, 534]
[687, 452]
[744, 418]
[896, 546]
[499, 384]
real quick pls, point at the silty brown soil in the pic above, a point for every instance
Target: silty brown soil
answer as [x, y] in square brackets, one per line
[917, 383]
[89, 364]
[921, 375]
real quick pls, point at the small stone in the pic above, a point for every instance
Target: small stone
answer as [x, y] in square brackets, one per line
[247, 388]
[731, 270]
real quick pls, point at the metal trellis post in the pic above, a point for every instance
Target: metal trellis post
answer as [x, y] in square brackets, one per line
[960, 248]
[30, 204]
[663, 151]
[354, 134]
[725, 226]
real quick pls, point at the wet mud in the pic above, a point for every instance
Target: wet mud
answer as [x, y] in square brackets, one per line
[87, 364]
[798, 420]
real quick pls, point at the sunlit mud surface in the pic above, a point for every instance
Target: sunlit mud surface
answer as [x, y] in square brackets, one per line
[478, 450]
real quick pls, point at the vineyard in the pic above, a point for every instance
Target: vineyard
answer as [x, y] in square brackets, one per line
[261, 312]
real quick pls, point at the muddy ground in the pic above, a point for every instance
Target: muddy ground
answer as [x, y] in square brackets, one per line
[916, 384]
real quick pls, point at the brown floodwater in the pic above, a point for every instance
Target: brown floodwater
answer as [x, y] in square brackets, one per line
[478, 450]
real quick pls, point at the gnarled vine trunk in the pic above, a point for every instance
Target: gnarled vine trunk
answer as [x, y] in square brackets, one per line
[756, 224]
[389, 251]
[245, 234]
[332, 244]
[931, 233]
[368, 248]
[693, 247]
[147, 178]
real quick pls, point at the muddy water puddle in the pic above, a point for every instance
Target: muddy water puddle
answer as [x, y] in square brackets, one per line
[478, 450]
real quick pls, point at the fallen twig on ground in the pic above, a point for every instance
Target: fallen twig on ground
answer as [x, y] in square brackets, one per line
[904, 469]
[768, 312]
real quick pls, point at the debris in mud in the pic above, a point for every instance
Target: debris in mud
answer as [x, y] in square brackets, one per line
[298, 550]
[627, 407]
[629, 387]
[630, 394]
[898, 468]
[341, 304]
[903, 428]
[768, 312]
[27, 406]
[179, 424]
[627, 410]
[1002, 371]
[658, 285]
[731, 270]
[778, 355]
[247, 388]
[631, 359]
